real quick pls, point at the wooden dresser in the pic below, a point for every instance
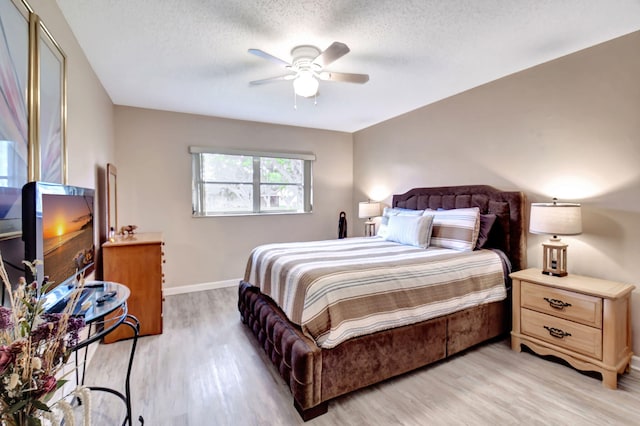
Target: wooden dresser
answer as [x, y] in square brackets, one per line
[585, 321]
[136, 261]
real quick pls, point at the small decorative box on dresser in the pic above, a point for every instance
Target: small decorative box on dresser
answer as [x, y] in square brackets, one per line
[585, 321]
[136, 261]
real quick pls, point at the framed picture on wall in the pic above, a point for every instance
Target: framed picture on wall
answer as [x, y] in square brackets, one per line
[51, 108]
[33, 112]
[14, 132]
[14, 78]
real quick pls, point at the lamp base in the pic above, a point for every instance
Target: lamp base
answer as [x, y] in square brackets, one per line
[369, 229]
[554, 259]
[555, 274]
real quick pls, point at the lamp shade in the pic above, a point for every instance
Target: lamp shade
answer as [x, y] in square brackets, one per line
[368, 209]
[555, 219]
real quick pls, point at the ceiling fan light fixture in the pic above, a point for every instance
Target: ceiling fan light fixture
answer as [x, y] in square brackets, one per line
[305, 84]
[306, 68]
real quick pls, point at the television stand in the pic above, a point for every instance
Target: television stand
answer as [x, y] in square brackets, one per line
[102, 319]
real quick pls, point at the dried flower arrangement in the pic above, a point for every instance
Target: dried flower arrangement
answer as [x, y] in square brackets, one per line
[34, 347]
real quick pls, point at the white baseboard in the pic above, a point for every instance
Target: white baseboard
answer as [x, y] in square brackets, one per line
[170, 291]
[635, 362]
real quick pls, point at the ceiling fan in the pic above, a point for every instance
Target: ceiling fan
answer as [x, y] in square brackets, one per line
[307, 67]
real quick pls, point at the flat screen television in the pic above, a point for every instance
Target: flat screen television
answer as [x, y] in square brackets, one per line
[58, 229]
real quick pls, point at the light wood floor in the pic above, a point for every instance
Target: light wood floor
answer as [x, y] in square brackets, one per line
[207, 370]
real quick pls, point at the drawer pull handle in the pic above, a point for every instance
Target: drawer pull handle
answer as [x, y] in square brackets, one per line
[556, 332]
[557, 304]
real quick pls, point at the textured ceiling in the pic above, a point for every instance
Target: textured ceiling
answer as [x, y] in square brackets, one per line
[191, 55]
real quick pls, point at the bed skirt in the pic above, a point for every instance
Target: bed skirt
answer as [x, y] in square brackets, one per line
[317, 375]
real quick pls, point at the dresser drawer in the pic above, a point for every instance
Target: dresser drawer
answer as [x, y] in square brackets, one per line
[577, 307]
[567, 334]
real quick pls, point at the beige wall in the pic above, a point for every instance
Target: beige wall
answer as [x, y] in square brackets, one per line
[154, 189]
[90, 115]
[90, 126]
[569, 128]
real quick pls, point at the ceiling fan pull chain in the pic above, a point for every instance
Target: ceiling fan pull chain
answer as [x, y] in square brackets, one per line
[295, 101]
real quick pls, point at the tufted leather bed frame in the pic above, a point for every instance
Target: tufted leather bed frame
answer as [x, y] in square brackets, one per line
[317, 375]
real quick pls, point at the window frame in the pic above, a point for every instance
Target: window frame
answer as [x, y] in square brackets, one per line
[198, 203]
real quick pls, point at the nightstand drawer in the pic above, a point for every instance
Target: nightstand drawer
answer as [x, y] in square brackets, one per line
[577, 307]
[575, 337]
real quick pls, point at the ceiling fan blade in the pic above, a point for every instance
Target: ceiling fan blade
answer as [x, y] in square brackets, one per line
[336, 51]
[272, 79]
[269, 57]
[344, 77]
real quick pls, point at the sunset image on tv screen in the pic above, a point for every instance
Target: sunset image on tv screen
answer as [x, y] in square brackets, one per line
[67, 226]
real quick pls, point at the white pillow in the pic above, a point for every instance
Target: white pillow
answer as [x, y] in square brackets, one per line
[410, 230]
[456, 228]
[387, 212]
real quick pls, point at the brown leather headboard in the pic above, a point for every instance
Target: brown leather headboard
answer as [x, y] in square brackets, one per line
[509, 230]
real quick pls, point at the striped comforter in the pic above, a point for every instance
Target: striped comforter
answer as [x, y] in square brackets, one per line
[339, 289]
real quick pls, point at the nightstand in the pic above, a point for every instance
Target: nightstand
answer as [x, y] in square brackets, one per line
[584, 321]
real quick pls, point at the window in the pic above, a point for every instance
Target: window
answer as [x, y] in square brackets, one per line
[227, 181]
[13, 168]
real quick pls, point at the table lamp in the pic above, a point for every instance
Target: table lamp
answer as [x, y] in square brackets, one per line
[369, 210]
[555, 219]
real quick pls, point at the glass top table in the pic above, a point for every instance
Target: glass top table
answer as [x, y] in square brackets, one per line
[101, 318]
[97, 289]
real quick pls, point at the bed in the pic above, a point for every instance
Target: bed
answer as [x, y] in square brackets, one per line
[317, 371]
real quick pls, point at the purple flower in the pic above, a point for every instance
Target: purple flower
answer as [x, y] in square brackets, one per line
[17, 347]
[45, 330]
[6, 358]
[47, 384]
[74, 325]
[49, 329]
[6, 321]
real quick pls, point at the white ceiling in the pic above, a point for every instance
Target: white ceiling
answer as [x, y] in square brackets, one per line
[191, 55]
